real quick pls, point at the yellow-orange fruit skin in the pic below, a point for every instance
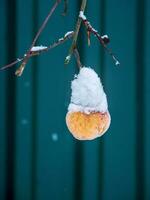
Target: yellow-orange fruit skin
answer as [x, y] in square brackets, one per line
[87, 126]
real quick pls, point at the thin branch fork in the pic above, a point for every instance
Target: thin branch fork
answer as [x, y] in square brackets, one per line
[36, 50]
[76, 32]
[40, 50]
[26, 58]
[103, 40]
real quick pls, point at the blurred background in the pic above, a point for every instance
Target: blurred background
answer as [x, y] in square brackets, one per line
[39, 158]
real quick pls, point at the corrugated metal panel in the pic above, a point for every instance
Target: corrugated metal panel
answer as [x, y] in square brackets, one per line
[39, 159]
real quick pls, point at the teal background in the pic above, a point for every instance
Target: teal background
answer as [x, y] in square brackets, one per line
[39, 158]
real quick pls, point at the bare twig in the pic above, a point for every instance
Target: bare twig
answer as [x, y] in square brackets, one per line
[60, 41]
[11, 64]
[26, 58]
[67, 36]
[103, 40]
[37, 50]
[77, 56]
[74, 41]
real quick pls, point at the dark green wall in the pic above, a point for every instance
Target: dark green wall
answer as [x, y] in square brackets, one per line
[39, 159]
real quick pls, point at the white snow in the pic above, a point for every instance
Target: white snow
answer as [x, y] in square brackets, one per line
[82, 16]
[94, 29]
[18, 59]
[117, 63]
[68, 33]
[67, 58]
[87, 93]
[54, 137]
[38, 48]
[61, 39]
[104, 36]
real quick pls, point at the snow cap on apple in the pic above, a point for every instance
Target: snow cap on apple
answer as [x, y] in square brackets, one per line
[88, 116]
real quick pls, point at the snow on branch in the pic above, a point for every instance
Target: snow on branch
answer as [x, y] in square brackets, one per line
[82, 16]
[36, 50]
[102, 39]
[76, 32]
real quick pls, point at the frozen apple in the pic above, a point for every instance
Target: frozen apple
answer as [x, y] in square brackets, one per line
[87, 126]
[88, 116]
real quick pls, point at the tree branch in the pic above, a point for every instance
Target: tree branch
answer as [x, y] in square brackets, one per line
[37, 50]
[77, 57]
[102, 39]
[18, 60]
[76, 32]
[40, 49]
[19, 71]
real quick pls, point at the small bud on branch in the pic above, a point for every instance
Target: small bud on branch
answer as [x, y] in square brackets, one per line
[37, 50]
[76, 32]
[26, 58]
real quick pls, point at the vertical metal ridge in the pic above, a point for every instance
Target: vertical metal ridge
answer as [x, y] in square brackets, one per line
[102, 73]
[10, 120]
[78, 171]
[140, 106]
[79, 145]
[35, 19]
[102, 29]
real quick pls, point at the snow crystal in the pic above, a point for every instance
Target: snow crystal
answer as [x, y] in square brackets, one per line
[117, 63]
[68, 33]
[54, 137]
[24, 121]
[82, 16]
[38, 48]
[87, 93]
